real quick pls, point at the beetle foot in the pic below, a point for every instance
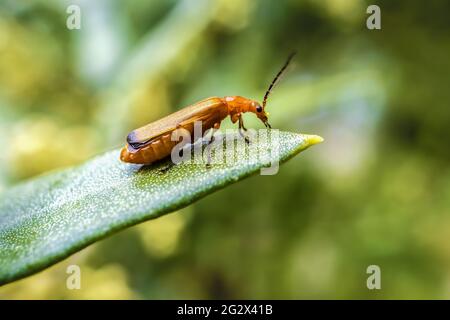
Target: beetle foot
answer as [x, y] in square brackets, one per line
[166, 168]
[243, 135]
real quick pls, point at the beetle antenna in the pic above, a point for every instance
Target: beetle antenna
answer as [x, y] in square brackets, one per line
[274, 81]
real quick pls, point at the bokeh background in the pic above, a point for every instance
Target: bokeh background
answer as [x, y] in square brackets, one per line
[377, 191]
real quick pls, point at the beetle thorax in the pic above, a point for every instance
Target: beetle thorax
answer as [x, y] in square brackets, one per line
[238, 104]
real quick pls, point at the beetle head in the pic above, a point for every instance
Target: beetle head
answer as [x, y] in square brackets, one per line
[262, 115]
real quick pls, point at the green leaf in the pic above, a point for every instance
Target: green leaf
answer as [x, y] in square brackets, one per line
[46, 219]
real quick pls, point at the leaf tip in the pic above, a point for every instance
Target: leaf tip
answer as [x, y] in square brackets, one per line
[313, 139]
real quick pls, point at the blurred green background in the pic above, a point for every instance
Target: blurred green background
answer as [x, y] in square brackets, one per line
[377, 191]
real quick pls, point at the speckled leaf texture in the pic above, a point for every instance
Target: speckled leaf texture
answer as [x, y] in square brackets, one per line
[48, 218]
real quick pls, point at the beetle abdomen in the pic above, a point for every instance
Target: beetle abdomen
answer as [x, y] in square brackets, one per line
[156, 150]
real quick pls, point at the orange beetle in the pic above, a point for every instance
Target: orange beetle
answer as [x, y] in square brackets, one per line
[153, 142]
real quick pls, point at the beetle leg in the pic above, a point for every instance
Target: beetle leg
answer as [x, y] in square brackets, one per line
[215, 127]
[242, 128]
[208, 161]
[213, 130]
[241, 123]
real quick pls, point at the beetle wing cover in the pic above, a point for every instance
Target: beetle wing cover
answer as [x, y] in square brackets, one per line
[200, 111]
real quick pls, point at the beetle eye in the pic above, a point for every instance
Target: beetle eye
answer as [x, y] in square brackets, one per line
[259, 108]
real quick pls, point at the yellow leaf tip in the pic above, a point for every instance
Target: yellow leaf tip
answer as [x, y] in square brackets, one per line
[313, 139]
